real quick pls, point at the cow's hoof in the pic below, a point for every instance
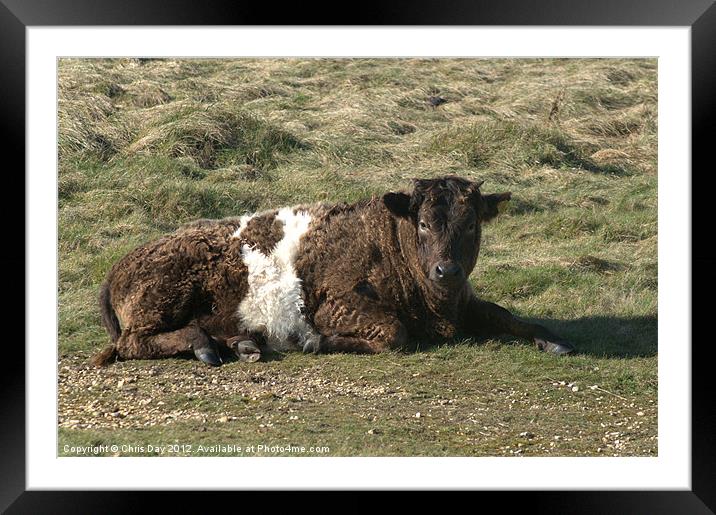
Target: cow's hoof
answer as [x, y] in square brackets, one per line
[558, 347]
[247, 351]
[312, 345]
[207, 354]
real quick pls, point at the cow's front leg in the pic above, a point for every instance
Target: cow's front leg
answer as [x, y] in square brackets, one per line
[355, 344]
[483, 318]
[363, 331]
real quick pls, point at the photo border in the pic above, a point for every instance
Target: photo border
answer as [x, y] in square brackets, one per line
[699, 15]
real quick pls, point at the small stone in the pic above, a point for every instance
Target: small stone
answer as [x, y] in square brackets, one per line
[417, 415]
[575, 388]
[639, 413]
[223, 419]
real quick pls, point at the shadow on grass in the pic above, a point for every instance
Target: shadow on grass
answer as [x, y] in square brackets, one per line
[607, 337]
[595, 336]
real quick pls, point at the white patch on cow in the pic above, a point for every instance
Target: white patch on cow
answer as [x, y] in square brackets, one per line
[242, 225]
[274, 299]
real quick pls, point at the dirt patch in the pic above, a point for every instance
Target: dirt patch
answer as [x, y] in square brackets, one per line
[353, 406]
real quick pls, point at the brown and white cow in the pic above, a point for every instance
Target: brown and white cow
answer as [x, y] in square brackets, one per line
[363, 277]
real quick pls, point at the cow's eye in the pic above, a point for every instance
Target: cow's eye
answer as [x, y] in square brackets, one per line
[423, 226]
[471, 227]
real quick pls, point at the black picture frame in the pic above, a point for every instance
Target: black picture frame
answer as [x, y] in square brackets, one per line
[700, 15]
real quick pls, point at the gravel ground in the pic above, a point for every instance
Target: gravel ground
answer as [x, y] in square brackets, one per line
[359, 408]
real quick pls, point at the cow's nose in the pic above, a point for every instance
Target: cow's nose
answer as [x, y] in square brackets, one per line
[447, 270]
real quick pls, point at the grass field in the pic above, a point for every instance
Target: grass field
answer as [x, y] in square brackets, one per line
[145, 145]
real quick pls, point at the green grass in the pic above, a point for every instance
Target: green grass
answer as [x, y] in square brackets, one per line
[146, 146]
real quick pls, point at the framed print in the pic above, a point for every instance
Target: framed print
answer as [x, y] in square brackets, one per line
[231, 193]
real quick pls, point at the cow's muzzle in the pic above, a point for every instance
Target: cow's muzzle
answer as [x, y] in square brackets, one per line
[446, 271]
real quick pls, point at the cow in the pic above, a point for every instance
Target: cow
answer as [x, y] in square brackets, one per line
[364, 277]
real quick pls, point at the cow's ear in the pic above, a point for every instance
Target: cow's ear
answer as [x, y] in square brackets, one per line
[494, 204]
[473, 194]
[398, 204]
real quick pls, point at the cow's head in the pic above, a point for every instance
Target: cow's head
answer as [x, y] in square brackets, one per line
[446, 214]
